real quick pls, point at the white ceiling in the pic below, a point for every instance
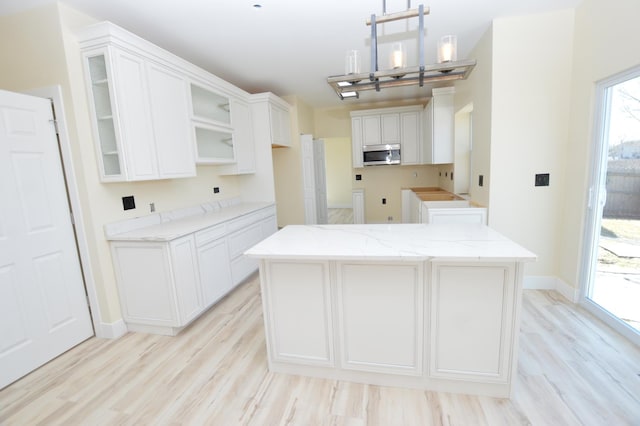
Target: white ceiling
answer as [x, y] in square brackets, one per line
[290, 47]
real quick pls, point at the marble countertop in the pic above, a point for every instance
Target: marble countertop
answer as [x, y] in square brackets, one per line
[408, 242]
[171, 225]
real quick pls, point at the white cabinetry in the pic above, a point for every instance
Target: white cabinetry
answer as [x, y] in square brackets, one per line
[222, 130]
[381, 129]
[472, 321]
[164, 285]
[280, 124]
[169, 115]
[155, 115]
[158, 283]
[410, 126]
[271, 117]
[432, 213]
[213, 262]
[438, 146]
[400, 125]
[140, 110]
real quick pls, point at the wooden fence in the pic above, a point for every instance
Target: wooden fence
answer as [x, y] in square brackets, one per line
[623, 194]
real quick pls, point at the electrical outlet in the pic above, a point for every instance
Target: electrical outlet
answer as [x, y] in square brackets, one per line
[128, 202]
[389, 218]
[358, 177]
[152, 207]
[384, 201]
[216, 189]
[451, 175]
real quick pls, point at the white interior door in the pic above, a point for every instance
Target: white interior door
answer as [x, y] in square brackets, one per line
[321, 181]
[43, 306]
[314, 180]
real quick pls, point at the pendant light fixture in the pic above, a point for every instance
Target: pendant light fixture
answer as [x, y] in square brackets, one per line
[448, 67]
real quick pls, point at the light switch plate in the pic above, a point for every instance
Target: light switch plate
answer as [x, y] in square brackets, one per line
[542, 179]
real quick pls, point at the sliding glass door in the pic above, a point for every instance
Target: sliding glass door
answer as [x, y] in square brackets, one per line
[611, 260]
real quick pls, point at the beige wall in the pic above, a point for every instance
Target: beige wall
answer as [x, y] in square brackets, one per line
[532, 64]
[606, 42]
[44, 52]
[287, 166]
[337, 154]
[386, 182]
[477, 90]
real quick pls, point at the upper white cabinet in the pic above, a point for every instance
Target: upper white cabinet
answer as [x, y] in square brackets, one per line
[381, 129]
[385, 126]
[156, 115]
[222, 130]
[425, 135]
[411, 131]
[140, 111]
[280, 124]
[271, 118]
[438, 147]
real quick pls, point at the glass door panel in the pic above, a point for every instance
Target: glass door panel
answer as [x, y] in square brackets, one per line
[614, 279]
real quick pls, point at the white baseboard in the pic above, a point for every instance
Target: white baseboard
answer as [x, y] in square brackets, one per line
[112, 330]
[538, 282]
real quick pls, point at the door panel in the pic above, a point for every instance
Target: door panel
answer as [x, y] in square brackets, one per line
[43, 308]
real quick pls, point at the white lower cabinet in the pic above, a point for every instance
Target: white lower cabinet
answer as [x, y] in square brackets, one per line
[215, 271]
[301, 330]
[243, 266]
[164, 285]
[158, 284]
[472, 309]
[395, 314]
[453, 214]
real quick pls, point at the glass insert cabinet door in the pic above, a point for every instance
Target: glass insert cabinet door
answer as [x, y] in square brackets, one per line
[101, 97]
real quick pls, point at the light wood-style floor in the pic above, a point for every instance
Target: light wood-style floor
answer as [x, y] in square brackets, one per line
[573, 370]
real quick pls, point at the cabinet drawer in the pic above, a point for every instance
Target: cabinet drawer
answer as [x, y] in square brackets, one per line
[242, 267]
[243, 222]
[210, 234]
[266, 212]
[242, 240]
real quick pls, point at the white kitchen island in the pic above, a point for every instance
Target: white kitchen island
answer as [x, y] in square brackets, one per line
[423, 306]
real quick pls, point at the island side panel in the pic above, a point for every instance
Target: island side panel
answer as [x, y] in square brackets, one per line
[297, 312]
[380, 314]
[473, 321]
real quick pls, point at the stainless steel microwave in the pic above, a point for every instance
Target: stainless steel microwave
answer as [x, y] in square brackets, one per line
[377, 155]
